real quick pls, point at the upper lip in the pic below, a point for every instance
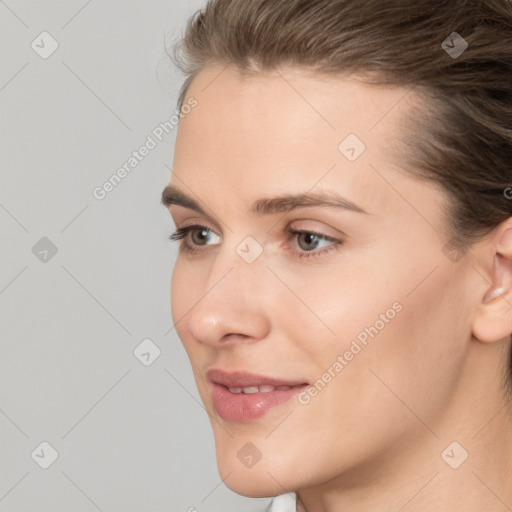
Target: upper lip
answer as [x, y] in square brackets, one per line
[244, 379]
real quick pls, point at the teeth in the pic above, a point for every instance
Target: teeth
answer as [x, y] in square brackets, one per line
[264, 388]
[251, 389]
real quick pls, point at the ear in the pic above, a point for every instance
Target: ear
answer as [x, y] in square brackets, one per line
[493, 317]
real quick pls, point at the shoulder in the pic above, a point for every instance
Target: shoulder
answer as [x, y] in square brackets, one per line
[283, 503]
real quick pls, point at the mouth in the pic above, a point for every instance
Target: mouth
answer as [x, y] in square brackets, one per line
[264, 388]
[245, 397]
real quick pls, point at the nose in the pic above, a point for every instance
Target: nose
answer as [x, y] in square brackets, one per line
[231, 306]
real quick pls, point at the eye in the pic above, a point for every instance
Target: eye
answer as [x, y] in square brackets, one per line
[309, 242]
[198, 234]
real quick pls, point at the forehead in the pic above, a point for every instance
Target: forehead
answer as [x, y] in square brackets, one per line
[334, 102]
[291, 131]
[293, 109]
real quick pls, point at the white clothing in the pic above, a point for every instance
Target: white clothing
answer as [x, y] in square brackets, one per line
[283, 503]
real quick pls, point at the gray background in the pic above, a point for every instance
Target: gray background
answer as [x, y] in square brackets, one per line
[130, 437]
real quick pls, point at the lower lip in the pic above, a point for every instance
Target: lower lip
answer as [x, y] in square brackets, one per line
[242, 407]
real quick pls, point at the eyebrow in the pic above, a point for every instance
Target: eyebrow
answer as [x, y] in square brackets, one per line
[268, 206]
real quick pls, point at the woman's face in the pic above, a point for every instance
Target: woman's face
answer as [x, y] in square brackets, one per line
[365, 314]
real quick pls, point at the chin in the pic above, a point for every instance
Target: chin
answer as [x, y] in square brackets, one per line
[266, 477]
[252, 485]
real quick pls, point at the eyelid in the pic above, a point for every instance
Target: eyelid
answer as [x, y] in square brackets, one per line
[324, 230]
[203, 221]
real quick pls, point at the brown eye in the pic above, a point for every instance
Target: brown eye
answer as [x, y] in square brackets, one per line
[307, 241]
[307, 244]
[193, 237]
[199, 236]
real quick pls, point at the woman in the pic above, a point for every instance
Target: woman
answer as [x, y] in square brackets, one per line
[341, 193]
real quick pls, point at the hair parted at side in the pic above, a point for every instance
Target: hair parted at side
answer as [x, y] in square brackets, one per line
[460, 137]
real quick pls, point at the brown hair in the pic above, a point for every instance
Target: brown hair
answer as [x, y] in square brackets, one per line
[466, 122]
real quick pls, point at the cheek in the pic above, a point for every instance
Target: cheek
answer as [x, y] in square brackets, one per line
[188, 293]
[176, 293]
[333, 307]
[182, 297]
[415, 358]
[385, 318]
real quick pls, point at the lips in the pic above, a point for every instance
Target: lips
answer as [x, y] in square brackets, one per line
[247, 380]
[244, 397]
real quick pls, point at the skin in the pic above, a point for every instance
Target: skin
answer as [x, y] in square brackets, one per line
[372, 439]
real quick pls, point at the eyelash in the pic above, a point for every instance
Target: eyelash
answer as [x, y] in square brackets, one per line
[181, 234]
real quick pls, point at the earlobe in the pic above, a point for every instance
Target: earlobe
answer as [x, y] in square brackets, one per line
[491, 294]
[493, 318]
[493, 321]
